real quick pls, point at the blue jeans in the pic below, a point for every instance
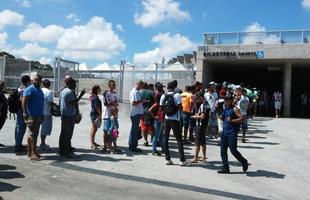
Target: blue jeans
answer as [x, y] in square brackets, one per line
[20, 128]
[230, 141]
[133, 137]
[158, 135]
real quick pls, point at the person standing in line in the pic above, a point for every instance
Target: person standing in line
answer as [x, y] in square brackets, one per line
[211, 97]
[202, 116]
[110, 101]
[232, 118]
[277, 99]
[171, 104]
[304, 103]
[68, 107]
[135, 115]
[243, 104]
[3, 106]
[187, 106]
[95, 114]
[20, 127]
[47, 124]
[33, 106]
[147, 122]
[158, 115]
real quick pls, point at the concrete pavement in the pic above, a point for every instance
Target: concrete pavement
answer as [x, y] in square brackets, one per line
[277, 150]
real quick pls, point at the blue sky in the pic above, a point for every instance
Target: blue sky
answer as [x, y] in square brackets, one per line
[141, 31]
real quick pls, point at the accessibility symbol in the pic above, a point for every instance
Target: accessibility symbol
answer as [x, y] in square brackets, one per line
[260, 54]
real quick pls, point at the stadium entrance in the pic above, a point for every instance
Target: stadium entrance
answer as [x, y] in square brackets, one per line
[269, 61]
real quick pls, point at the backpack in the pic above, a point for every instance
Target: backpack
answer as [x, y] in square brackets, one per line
[14, 102]
[169, 106]
[105, 100]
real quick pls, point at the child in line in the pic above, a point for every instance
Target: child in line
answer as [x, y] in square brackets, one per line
[113, 130]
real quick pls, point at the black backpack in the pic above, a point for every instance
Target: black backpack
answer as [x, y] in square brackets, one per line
[105, 100]
[169, 106]
[14, 102]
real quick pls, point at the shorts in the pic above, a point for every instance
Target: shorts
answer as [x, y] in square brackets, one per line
[93, 117]
[33, 124]
[106, 125]
[146, 127]
[244, 124]
[200, 136]
[277, 105]
[186, 117]
[47, 124]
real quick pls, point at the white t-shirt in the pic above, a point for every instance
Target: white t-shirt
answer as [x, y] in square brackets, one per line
[211, 98]
[134, 95]
[277, 96]
[48, 98]
[110, 97]
[177, 101]
[243, 105]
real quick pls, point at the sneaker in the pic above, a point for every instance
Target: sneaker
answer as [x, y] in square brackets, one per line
[45, 147]
[156, 153]
[169, 162]
[185, 163]
[224, 171]
[146, 144]
[245, 166]
[243, 140]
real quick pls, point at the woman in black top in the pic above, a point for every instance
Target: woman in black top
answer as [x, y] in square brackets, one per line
[95, 114]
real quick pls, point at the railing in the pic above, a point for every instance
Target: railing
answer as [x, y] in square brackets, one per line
[266, 37]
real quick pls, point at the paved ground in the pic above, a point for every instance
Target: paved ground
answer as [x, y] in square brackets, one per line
[277, 149]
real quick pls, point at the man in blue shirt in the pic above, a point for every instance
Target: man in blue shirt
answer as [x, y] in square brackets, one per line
[232, 118]
[32, 105]
[68, 106]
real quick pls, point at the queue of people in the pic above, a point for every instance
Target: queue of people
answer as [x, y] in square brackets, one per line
[191, 115]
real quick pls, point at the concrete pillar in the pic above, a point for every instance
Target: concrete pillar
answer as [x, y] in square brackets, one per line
[287, 89]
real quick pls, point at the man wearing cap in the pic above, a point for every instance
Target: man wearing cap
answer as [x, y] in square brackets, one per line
[232, 118]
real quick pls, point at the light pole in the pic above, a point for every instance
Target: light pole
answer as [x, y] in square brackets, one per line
[156, 72]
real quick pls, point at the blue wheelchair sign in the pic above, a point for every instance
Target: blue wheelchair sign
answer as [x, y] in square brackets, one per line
[260, 54]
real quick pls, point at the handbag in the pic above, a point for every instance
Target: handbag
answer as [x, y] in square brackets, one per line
[98, 122]
[78, 118]
[55, 111]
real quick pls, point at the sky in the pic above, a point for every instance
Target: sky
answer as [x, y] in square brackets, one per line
[103, 32]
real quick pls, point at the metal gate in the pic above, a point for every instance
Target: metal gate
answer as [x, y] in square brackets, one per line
[64, 68]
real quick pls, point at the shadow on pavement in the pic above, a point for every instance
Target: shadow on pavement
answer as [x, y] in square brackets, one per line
[262, 173]
[161, 183]
[4, 174]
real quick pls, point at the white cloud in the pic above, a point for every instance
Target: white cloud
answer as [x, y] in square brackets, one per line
[25, 3]
[169, 46]
[73, 17]
[3, 38]
[306, 4]
[158, 11]
[9, 17]
[45, 60]
[119, 27]
[252, 37]
[36, 33]
[31, 51]
[96, 40]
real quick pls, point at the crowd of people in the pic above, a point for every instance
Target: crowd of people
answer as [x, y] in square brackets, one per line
[219, 111]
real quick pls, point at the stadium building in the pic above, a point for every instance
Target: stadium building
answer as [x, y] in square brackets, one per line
[277, 60]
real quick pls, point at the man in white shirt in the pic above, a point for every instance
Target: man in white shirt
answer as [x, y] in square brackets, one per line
[211, 97]
[47, 124]
[277, 98]
[135, 116]
[243, 105]
[171, 105]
